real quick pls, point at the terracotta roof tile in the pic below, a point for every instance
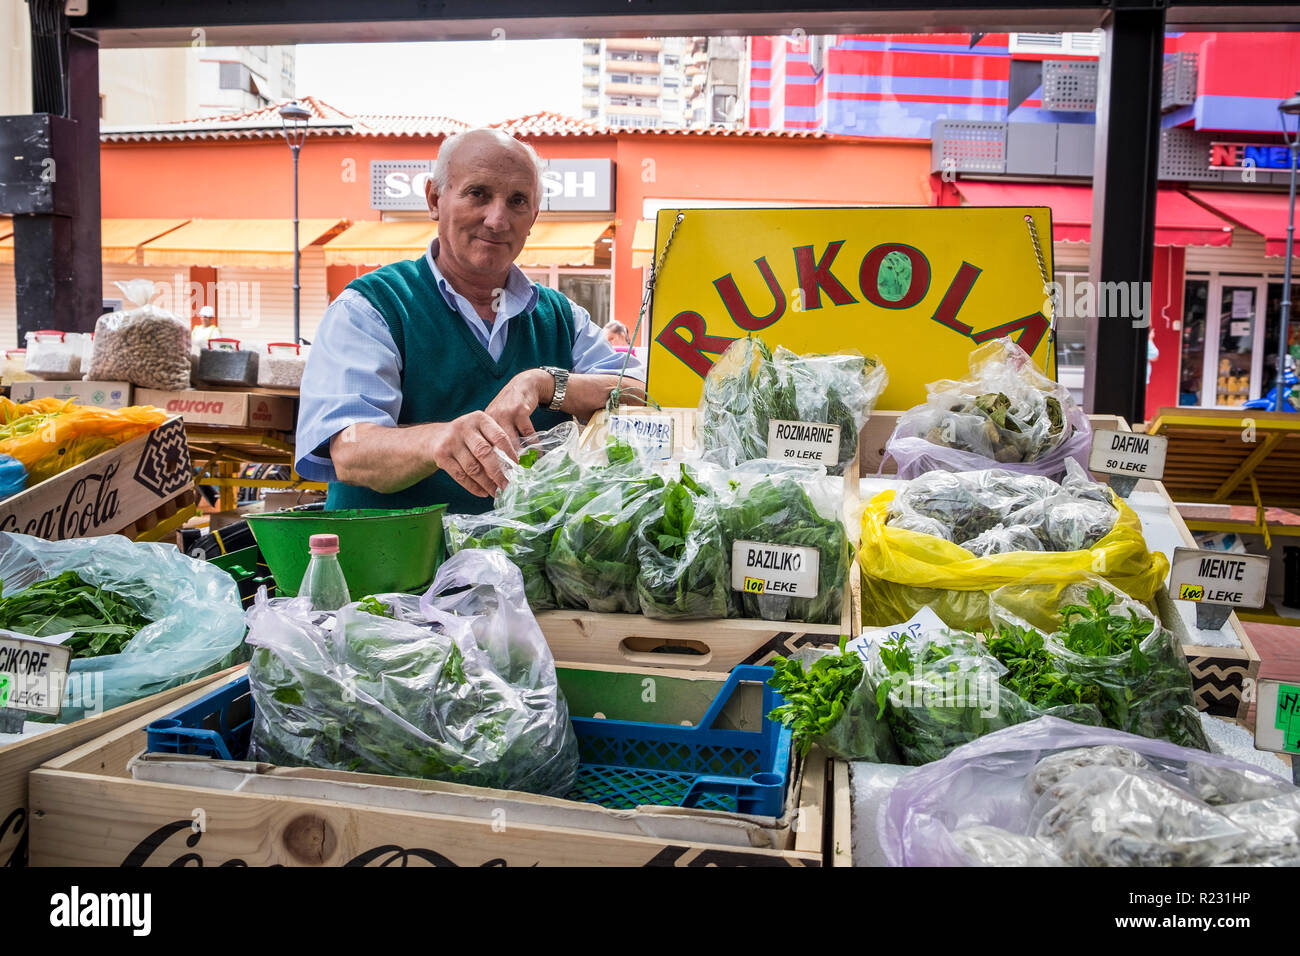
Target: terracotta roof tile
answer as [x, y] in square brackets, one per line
[327, 120]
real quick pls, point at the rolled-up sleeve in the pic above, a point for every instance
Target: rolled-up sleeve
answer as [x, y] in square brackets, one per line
[353, 375]
[592, 353]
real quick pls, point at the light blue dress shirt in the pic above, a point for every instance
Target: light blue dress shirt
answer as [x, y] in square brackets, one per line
[354, 371]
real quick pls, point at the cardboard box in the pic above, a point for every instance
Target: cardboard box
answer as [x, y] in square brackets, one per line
[100, 394]
[108, 493]
[244, 409]
[106, 805]
[20, 758]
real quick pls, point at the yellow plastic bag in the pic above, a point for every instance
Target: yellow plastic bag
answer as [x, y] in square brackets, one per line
[903, 571]
[51, 435]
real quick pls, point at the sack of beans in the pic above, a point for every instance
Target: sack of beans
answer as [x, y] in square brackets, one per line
[145, 345]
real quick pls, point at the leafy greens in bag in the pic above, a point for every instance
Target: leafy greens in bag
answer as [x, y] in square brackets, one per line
[750, 386]
[684, 570]
[778, 510]
[593, 559]
[457, 688]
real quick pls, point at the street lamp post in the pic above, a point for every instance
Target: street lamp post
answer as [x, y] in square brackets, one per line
[1288, 107]
[293, 121]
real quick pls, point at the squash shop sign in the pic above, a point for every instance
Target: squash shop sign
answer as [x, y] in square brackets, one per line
[568, 185]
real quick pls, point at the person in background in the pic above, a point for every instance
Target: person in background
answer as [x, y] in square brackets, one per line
[617, 335]
[206, 330]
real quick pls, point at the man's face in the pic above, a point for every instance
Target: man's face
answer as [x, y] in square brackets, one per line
[487, 210]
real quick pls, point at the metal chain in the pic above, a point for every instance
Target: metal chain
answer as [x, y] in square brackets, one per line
[655, 268]
[1047, 286]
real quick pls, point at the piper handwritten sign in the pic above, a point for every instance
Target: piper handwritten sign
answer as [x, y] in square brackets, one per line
[918, 287]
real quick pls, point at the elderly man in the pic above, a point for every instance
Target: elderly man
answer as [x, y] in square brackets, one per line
[422, 370]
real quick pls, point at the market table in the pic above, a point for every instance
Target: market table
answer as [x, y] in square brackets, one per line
[219, 450]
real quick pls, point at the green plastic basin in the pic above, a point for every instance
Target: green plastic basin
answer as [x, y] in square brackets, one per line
[380, 550]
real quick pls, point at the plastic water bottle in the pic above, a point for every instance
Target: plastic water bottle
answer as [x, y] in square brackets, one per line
[323, 582]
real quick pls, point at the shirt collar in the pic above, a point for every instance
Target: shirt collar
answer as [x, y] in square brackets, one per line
[520, 295]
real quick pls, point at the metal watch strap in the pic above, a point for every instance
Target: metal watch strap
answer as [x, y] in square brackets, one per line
[561, 377]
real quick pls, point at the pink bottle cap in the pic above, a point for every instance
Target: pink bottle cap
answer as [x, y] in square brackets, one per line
[324, 544]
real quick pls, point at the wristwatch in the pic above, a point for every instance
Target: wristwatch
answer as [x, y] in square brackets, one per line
[561, 385]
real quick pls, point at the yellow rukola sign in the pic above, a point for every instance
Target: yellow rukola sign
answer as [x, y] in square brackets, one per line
[917, 287]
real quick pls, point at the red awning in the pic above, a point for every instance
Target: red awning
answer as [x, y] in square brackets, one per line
[1264, 213]
[1179, 221]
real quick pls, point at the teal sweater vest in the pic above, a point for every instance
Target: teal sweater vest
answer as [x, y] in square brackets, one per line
[447, 373]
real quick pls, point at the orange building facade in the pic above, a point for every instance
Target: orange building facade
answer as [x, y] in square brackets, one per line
[203, 209]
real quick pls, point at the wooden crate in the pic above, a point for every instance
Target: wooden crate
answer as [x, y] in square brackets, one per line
[88, 810]
[18, 759]
[1223, 678]
[107, 494]
[713, 645]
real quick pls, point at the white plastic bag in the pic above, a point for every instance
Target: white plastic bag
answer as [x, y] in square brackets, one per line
[452, 686]
[1005, 414]
[146, 346]
[1088, 796]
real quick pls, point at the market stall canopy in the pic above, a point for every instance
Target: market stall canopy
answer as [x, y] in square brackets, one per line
[643, 244]
[1264, 213]
[379, 243]
[567, 243]
[255, 243]
[120, 239]
[1179, 221]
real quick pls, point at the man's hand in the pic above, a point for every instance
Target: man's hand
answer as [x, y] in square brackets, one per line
[518, 400]
[465, 449]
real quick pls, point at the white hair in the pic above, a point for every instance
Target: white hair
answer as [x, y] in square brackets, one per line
[441, 175]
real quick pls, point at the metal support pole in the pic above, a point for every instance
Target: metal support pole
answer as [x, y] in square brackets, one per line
[1289, 252]
[57, 259]
[1124, 202]
[297, 331]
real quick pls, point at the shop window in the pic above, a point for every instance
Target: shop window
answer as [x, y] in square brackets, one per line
[1272, 322]
[1238, 311]
[589, 291]
[1196, 293]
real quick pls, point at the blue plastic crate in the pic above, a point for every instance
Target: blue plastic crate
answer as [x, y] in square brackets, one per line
[218, 724]
[623, 763]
